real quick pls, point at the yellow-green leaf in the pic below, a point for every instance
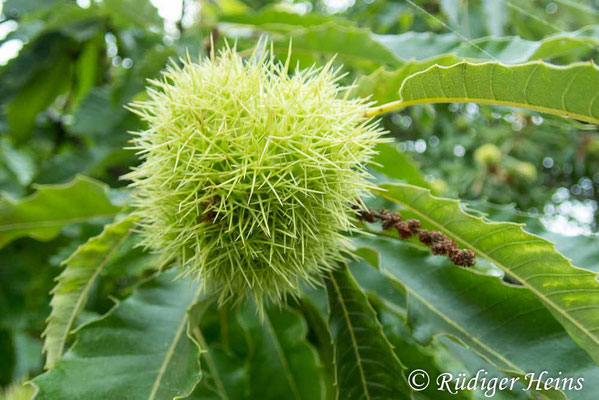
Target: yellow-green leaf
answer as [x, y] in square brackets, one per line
[570, 293]
[570, 91]
[45, 212]
[75, 282]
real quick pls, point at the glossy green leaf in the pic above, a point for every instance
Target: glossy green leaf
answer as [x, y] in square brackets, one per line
[45, 212]
[420, 46]
[452, 9]
[505, 324]
[570, 91]
[225, 345]
[69, 19]
[75, 282]
[133, 13]
[397, 165]
[570, 293]
[21, 8]
[20, 162]
[510, 49]
[87, 67]
[36, 96]
[139, 351]
[582, 250]
[381, 85]
[320, 39]
[351, 45]
[249, 358]
[432, 358]
[96, 114]
[316, 318]
[423, 50]
[274, 18]
[495, 15]
[279, 341]
[366, 367]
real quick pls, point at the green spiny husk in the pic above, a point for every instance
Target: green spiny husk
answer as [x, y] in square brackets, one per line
[248, 172]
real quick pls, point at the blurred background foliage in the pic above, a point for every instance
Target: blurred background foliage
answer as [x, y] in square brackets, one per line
[69, 67]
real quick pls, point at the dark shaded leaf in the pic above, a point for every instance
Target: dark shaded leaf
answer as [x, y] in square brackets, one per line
[366, 366]
[44, 213]
[139, 351]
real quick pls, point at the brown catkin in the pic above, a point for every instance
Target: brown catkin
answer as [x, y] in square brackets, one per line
[437, 241]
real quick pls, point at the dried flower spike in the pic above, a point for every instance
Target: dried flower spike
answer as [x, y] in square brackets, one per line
[438, 242]
[247, 171]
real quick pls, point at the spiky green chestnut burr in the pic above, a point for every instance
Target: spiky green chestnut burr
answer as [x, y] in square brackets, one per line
[17, 391]
[248, 172]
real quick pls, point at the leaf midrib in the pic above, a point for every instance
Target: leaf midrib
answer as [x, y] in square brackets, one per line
[499, 264]
[171, 349]
[453, 323]
[400, 104]
[85, 291]
[51, 223]
[282, 357]
[352, 335]
[211, 364]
